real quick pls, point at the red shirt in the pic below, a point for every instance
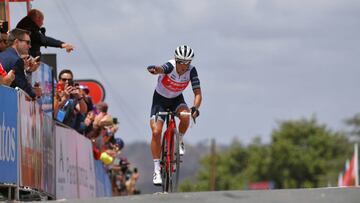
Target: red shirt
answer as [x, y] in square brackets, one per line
[2, 71]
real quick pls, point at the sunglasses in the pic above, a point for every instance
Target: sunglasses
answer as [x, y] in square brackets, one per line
[28, 42]
[183, 62]
[65, 79]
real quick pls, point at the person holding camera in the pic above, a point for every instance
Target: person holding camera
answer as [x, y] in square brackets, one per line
[68, 101]
[32, 23]
[88, 98]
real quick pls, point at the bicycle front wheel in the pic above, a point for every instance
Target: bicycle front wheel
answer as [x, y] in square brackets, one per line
[176, 162]
[164, 171]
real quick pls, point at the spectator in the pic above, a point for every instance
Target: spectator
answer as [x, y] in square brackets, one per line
[3, 41]
[125, 178]
[32, 23]
[6, 78]
[88, 98]
[68, 102]
[4, 28]
[131, 183]
[87, 124]
[10, 59]
[102, 118]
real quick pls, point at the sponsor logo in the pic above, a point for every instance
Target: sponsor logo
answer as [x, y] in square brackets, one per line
[7, 141]
[173, 85]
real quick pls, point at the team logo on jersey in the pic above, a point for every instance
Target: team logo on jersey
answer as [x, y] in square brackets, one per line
[173, 85]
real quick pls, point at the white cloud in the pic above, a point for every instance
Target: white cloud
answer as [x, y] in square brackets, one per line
[258, 60]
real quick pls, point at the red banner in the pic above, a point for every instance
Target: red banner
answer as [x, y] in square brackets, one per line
[96, 89]
[265, 185]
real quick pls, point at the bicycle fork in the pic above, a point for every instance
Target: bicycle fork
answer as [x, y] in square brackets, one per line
[170, 147]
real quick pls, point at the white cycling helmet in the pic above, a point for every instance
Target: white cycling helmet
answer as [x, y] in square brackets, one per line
[184, 52]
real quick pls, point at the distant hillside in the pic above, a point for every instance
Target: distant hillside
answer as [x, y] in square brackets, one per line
[139, 155]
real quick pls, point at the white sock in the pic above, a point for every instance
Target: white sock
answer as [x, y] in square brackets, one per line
[181, 137]
[156, 165]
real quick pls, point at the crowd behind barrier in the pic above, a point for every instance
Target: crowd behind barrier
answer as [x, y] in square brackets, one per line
[53, 139]
[48, 156]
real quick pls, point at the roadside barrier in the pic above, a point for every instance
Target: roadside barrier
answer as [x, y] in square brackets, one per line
[38, 154]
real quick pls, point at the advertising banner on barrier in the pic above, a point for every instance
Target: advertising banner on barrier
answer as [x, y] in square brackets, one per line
[100, 185]
[103, 185]
[75, 172]
[86, 170]
[43, 76]
[8, 135]
[48, 155]
[31, 143]
[66, 163]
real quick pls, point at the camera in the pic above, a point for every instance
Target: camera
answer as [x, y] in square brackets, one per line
[71, 82]
[124, 168]
[115, 120]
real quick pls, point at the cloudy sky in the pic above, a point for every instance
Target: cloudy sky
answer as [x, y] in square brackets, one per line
[259, 62]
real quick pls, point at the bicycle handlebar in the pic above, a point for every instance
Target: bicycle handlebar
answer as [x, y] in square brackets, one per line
[165, 113]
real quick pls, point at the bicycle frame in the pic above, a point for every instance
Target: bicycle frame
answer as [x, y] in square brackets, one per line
[169, 136]
[170, 155]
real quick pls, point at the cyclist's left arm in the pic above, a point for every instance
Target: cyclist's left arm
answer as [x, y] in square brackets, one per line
[197, 98]
[195, 83]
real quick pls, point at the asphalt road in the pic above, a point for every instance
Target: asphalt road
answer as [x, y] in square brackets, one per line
[319, 195]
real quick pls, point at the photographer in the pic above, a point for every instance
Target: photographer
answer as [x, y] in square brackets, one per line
[68, 102]
[131, 183]
[88, 98]
[130, 177]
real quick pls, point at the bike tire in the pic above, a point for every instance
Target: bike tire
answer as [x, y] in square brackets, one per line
[164, 173]
[170, 167]
[177, 160]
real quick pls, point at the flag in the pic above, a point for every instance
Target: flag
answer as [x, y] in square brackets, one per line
[340, 179]
[350, 175]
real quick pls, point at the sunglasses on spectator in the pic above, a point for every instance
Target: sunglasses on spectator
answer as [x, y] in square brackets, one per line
[183, 62]
[28, 42]
[3, 41]
[66, 79]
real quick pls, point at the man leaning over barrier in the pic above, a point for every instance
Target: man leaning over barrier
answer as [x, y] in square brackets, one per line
[10, 59]
[32, 23]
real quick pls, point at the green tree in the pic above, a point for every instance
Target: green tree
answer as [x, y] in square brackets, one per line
[302, 153]
[354, 123]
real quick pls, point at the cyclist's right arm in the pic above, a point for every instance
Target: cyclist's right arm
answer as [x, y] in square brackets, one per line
[155, 69]
[164, 69]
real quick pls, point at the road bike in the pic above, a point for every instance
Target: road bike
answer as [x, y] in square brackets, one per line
[170, 156]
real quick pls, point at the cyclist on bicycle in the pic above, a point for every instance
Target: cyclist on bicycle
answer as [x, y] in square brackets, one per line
[174, 76]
